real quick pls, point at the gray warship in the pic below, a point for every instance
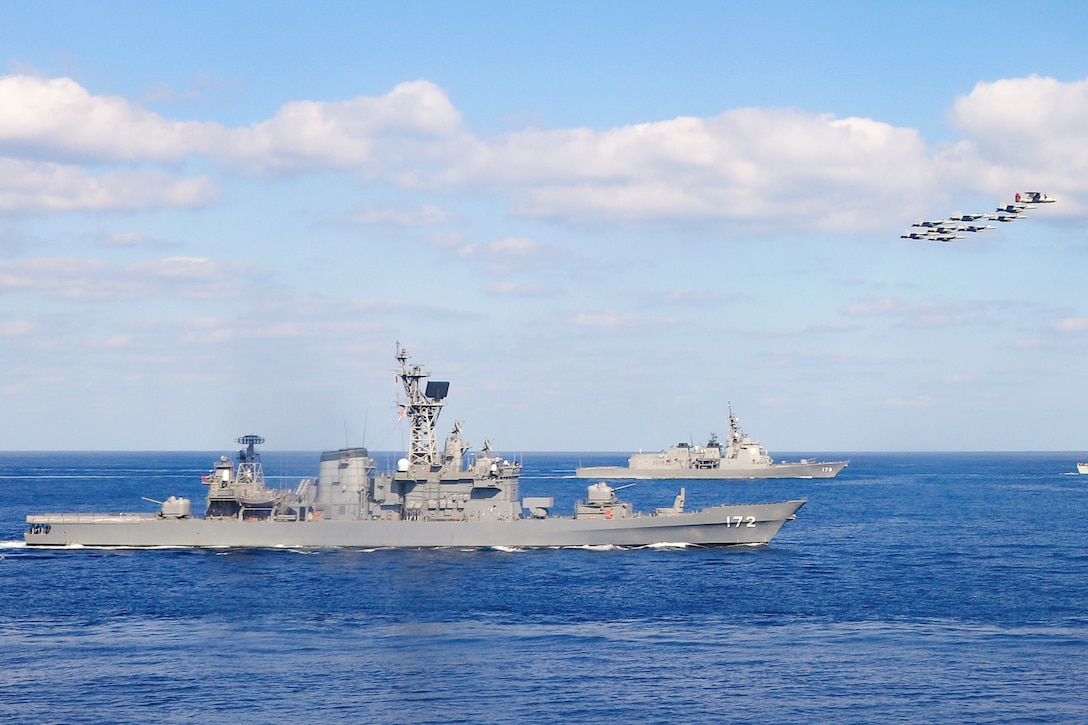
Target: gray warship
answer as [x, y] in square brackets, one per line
[435, 498]
[740, 458]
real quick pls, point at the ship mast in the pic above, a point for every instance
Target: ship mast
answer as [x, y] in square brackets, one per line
[249, 461]
[422, 409]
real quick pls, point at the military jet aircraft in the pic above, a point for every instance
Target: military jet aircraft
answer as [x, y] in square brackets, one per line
[958, 217]
[947, 229]
[951, 229]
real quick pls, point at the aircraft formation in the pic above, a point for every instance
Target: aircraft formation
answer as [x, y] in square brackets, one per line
[953, 228]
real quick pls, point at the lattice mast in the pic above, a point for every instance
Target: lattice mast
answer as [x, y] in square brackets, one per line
[422, 408]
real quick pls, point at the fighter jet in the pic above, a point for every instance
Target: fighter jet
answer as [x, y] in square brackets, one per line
[946, 229]
[1033, 197]
[1009, 217]
[945, 237]
[915, 235]
[1013, 209]
[958, 217]
[974, 227]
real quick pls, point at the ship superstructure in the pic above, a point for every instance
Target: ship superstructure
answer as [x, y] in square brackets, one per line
[453, 485]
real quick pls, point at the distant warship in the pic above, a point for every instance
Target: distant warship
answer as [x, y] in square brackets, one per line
[740, 457]
[448, 498]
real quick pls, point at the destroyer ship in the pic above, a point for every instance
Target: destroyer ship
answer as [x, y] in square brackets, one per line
[740, 457]
[435, 498]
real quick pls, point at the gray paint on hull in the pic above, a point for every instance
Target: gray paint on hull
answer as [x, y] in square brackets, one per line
[716, 526]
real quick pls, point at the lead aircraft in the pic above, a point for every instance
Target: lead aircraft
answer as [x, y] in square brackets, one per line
[1033, 197]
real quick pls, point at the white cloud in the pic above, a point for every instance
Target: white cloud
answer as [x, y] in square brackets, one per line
[427, 215]
[694, 296]
[776, 168]
[47, 125]
[745, 164]
[1025, 133]
[507, 255]
[131, 240]
[515, 289]
[58, 118]
[920, 401]
[1072, 324]
[41, 187]
[610, 320]
[919, 314]
[414, 125]
[92, 280]
[15, 329]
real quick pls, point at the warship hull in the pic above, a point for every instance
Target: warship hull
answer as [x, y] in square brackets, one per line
[776, 470]
[716, 526]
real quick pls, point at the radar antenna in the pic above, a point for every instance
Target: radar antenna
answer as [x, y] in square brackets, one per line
[249, 441]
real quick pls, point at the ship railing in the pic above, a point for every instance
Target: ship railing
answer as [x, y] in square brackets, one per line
[87, 518]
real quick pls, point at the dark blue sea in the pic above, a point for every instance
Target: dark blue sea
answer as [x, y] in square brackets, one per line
[913, 588]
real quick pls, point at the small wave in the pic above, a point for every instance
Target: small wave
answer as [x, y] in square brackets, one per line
[12, 544]
[668, 545]
[507, 548]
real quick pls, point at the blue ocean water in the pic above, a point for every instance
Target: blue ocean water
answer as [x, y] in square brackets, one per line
[913, 588]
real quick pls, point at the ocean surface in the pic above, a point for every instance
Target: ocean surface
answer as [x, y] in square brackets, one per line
[913, 588]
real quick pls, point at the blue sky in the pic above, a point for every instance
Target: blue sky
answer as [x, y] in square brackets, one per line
[603, 222]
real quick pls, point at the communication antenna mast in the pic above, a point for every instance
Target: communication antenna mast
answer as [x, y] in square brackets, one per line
[422, 408]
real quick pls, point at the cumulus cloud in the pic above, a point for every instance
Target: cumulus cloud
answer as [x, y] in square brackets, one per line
[49, 126]
[1024, 133]
[745, 164]
[774, 167]
[412, 127]
[56, 118]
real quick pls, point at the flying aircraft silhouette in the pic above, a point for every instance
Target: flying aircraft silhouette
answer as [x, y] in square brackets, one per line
[950, 229]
